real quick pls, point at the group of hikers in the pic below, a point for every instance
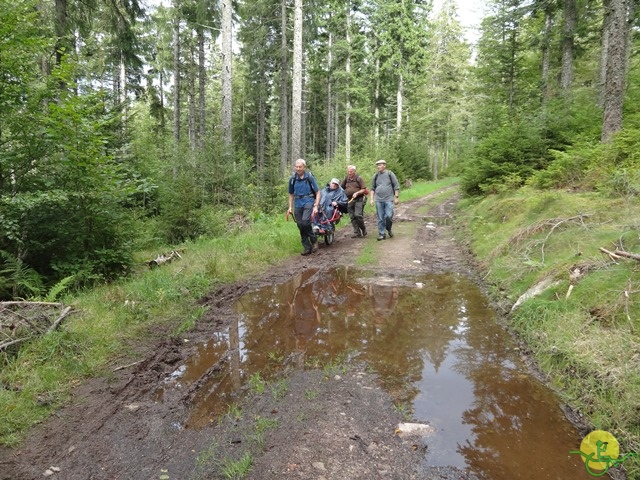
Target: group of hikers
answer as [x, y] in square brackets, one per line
[307, 202]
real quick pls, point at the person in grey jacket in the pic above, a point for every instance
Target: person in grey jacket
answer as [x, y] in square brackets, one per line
[384, 190]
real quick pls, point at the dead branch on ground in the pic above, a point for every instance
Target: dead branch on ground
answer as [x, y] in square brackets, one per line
[544, 224]
[538, 227]
[620, 254]
[62, 316]
[21, 321]
[559, 222]
[122, 367]
[163, 258]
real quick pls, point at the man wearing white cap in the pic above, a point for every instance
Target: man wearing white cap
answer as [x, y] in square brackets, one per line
[384, 190]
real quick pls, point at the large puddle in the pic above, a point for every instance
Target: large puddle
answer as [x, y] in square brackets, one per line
[435, 344]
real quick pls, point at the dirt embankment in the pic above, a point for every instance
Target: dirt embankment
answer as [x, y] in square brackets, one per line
[128, 426]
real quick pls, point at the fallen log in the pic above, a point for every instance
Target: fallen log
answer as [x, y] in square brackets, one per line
[25, 302]
[163, 258]
[619, 254]
[622, 253]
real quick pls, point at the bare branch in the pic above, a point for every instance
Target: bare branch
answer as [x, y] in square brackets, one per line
[55, 324]
[6, 345]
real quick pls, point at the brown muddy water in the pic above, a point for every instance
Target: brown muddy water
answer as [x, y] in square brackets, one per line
[435, 344]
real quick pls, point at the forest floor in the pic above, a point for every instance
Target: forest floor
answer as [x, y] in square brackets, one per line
[115, 427]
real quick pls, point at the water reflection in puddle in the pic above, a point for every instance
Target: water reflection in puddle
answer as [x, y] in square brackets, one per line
[433, 341]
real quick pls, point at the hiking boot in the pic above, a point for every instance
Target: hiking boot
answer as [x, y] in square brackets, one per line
[314, 247]
[364, 232]
[306, 252]
[390, 234]
[381, 237]
[356, 235]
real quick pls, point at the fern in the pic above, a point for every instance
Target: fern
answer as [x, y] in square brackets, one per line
[58, 288]
[18, 280]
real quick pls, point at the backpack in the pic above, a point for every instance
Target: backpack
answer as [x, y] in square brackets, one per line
[294, 178]
[366, 190]
[375, 182]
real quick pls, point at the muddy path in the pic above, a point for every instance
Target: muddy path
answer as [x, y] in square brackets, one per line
[126, 425]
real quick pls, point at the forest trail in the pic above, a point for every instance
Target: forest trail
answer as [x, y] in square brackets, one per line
[127, 425]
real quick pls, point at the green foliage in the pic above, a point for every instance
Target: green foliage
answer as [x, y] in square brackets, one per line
[278, 389]
[414, 161]
[567, 169]
[18, 280]
[588, 165]
[257, 383]
[504, 160]
[237, 469]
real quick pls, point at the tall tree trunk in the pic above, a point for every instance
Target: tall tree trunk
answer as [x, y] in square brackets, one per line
[546, 54]
[434, 163]
[512, 69]
[62, 45]
[399, 94]
[176, 72]
[347, 116]
[260, 135]
[162, 119]
[376, 100]
[115, 83]
[447, 151]
[284, 92]
[568, 32]
[616, 36]
[336, 125]
[296, 91]
[123, 82]
[329, 148]
[202, 80]
[303, 115]
[227, 60]
[191, 72]
[61, 28]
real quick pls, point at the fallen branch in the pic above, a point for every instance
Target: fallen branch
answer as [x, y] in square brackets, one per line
[163, 258]
[55, 324]
[541, 226]
[556, 225]
[21, 317]
[6, 345]
[127, 366]
[612, 255]
[622, 253]
[46, 304]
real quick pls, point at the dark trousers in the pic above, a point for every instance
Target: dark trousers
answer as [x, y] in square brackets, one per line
[356, 213]
[303, 220]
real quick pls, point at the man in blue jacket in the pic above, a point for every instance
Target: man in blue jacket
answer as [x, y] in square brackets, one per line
[304, 198]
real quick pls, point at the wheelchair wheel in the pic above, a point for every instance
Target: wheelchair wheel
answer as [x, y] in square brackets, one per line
[328, 238]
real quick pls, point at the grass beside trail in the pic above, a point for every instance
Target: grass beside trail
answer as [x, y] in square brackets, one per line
[584, 330]
[109, 319]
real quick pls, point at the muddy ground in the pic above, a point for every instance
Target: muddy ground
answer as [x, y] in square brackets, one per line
[115, 427]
